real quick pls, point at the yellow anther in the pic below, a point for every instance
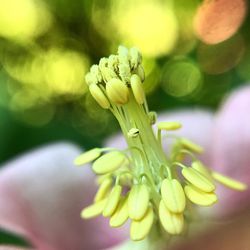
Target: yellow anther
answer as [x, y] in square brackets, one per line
[123, 66]
[191, 146]
[99, 96]
[197, 165]
[123, 53]
[169, 125]
[113, 200]
[199, 197]
[113, 62]
[135, 57]
[93, 210]
[124, 72]
[173, 195]
[108, 162]
[87, 156]
[96, 72]
[138, 201]
[173, 223]
[140, 72]
[137, 89]
[103, 63]
[140, 229]
[117, 91]
[120, 215]
[104, 189]
[198, 179]
[133, 132]
[90, 79]
[229, 182]
[108, 74]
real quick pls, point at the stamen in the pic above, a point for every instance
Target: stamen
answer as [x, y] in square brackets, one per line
[87, 156]
[120, 215]
[229, 182]
[136, 86]
[197, 165]
[112, 201]
[173, 195]
[108, 162]
[173, 223]
[198, 180]
[117, 91]
[200, 197]
[169, 125]
[103, 190]
[142, 183]
[140, 229]
[191, 146]
[93, 210]
[138, 201]
[99, 96]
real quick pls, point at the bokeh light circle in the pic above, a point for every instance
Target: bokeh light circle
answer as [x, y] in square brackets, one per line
[23, 19]
[218, 20]
[147, 24]
[181, 77]
[64, 72]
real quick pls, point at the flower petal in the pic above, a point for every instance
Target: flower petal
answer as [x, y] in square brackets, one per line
[42, 194]
[231, 147]
[12, 248]
[230, 235]
[196, 126]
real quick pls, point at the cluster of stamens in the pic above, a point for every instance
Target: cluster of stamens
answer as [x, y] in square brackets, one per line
[142, 183]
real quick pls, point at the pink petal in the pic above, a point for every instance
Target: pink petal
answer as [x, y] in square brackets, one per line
[42, 194]
[12, 248]
[197, 126]
[231, 147]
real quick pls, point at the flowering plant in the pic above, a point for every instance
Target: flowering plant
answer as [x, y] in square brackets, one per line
[42, 193]
[155, 190]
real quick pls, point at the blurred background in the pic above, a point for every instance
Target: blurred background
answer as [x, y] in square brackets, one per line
[194, 53]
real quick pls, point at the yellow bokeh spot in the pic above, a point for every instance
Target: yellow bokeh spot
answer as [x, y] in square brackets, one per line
[64, 72]
[149, 25]
[23, 19]
[47, 74]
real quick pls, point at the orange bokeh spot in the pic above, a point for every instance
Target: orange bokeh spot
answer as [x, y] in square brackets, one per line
[218, 20]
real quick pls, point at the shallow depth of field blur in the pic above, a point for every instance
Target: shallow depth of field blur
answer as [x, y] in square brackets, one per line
[194, 54]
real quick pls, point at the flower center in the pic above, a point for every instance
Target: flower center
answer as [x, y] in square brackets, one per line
[143, 183]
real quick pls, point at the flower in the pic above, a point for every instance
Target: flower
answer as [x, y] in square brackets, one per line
[231, 140]
[154, 190]
[42, 193]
